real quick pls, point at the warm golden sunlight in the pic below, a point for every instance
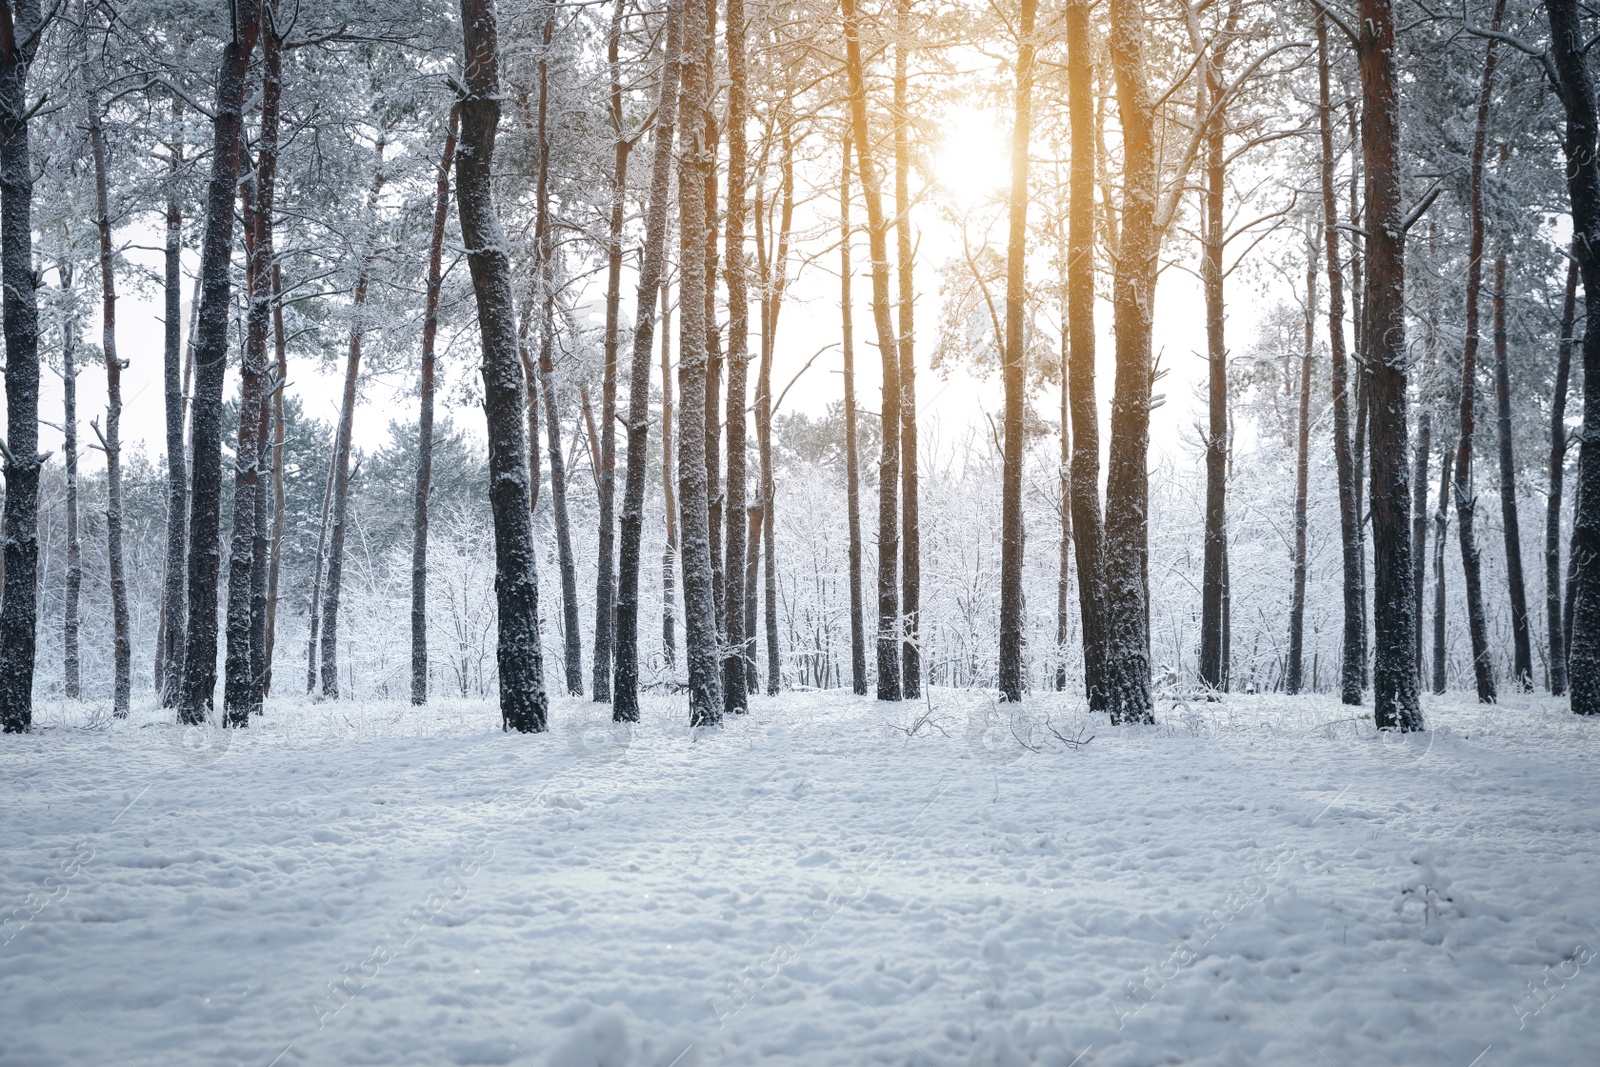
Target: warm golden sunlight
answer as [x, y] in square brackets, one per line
[972, 163]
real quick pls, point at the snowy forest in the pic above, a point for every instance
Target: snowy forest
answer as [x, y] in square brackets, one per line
[1144, 435]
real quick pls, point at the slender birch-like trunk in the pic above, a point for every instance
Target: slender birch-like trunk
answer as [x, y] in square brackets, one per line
[625, 673]
[1297, 598]
[889, 623]
[71, 667]
[858, 634]
[738, 648]
[1013, 678]
[333, 581]
[430, 333]
[1558, 464]
[605, 594]
[1465, 493]
[1522, 647]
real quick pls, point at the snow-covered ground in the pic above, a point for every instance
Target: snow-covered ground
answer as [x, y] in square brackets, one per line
[827, 880]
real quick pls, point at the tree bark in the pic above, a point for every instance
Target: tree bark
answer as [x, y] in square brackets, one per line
[237, 673]
[544, 289]
[910, 519]
[20, 27]
[169, 664]
[571, 634]
[713, 397]
[1088, 529]
[520, 655]
[71, 673]
[669, 551]
[1394, 665]
[694, 167]
[1127, 660]
[605, 572]
[858, 634]
[889, 623]
[774, 278]
[111, 439]
[625, 676]
[314, 608]
[210, 362]
[1419, 531]
[279, 497]
[1522, 663]
[739, 651]
[1558, 464]
[1441, 524]
[245, 658]
[333, 584]
[1064, 571]
[1297, 600]
[1211, 276]
[1013, 677]
[1466, 498]
[430, 333]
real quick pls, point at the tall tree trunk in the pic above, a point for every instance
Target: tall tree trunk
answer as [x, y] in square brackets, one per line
[1419, 531]
[279, 497]
[694, 167]
[236, 680]
[1441, 524]
[71, 673]
[605, 572]
[1064, 574]
[333, 583]
[1127, 660]
[244, 662]
[1558, 464]
[430, 332]
[910, 521]
[774, 291]
[858, 634]
[262, 588]
[1522, 665]
[625, 676]
[889, 625]
[752, 572]
[1013, 677]
[211, 364]
[1358, 455]
[1394, 667]
[520, 655]
[669, 493]
[314, 608]
[1354, 633]
[713, 397]
[20, 27]
[1087, 526]
[1569, 49]
[739, 651]
[111, 439]
[169, 663]
[572, 635]
[545, 296]
[1211, 276]
[1297, 599]
[1466, 497]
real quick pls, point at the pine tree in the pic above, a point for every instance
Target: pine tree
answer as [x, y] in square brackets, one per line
[523, 704]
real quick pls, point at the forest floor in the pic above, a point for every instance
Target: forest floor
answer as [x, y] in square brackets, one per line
[827, 880]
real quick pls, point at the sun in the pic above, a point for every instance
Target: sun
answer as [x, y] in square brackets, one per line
[973, 161]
